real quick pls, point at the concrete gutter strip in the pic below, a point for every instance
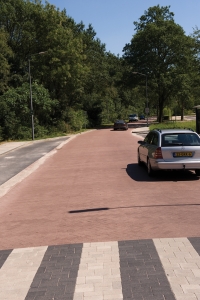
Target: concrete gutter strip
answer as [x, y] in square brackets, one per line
[10, 146]
[139, 131]
[8, 185]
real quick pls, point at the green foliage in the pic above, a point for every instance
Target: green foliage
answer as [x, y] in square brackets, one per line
[5, 54]
[78, 119]
[15, 117]
[162, 51]
[167, 112]
[76, 83]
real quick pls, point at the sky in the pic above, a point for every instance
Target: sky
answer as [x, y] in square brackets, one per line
[112, 20]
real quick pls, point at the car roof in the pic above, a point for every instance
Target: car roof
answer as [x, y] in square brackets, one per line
[175, 130]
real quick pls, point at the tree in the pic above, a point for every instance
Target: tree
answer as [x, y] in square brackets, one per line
[160, 49]
[196, 77]
[95, 82]
[5, 54]
[15, 118]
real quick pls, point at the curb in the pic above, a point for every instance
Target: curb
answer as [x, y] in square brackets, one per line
[8, 185]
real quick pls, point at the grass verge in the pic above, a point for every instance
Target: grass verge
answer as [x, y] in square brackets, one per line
[174, 124]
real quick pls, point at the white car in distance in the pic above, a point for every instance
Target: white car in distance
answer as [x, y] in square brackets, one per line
[133, 118]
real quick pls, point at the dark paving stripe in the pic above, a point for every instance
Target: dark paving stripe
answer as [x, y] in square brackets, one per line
[3, 256]
[195, 241]
[142, 274]
[56, 276]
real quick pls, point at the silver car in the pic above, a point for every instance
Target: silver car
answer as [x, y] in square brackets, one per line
[133, 118]
[170, 149]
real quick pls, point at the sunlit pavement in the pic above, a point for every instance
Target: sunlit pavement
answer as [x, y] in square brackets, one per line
[90, 224]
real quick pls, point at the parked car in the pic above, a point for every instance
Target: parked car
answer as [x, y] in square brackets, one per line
[133, 118]
[170, 149]
[120, 124]
[142, 117]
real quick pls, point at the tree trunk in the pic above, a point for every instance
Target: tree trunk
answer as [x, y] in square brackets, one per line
[182, 112]
[160, 109]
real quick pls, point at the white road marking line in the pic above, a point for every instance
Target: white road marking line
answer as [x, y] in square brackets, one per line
[17, 273]
[99, 275]
[181, 263]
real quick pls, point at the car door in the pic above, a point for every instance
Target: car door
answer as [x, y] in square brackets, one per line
[145, 147]
[153, 145]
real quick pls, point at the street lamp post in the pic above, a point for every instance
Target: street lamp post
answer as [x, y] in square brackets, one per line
[30, 86]
[31, 100]
[147, 105]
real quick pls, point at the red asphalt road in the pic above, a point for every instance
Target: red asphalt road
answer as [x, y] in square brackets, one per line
[92, 190]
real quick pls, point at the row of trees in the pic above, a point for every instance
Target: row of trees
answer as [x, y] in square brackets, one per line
[76, 82]
[161, 50]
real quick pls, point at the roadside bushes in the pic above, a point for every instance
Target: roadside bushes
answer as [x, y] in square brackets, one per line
[77, 118]
[15, 115]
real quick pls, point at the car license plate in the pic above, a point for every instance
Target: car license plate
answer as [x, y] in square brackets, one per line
[182, 154]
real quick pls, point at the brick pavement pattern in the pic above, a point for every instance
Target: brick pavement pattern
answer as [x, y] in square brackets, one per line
[56, 276]
[139, 270]
[92, 197]
[143, 276]
[92, 190]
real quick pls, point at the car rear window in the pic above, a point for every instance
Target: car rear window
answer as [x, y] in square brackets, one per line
[179, 139]
[119, 121]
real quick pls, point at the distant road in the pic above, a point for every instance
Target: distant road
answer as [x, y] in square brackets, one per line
[186, 118]
[178, 118]
[190, 118]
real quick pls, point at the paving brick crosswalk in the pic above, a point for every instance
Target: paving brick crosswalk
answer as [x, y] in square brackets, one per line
[152, 269]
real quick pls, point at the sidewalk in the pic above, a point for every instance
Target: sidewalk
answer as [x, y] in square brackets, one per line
[142, 130]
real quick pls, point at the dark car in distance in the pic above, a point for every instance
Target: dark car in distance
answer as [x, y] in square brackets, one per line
[120, 124]
[142, 117]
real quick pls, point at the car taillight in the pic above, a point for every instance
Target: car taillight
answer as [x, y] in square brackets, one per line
[158, 153]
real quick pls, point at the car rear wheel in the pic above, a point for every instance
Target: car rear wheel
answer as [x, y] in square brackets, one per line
[149, 169]
[197, 171]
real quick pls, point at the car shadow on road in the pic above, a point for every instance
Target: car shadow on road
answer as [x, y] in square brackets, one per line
[139, 173]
